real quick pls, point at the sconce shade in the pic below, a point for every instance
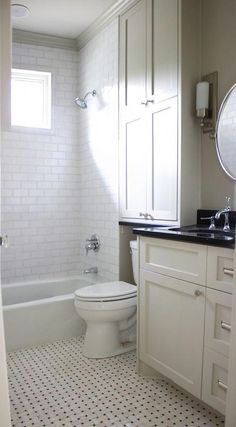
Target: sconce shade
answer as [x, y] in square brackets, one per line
[202, 95]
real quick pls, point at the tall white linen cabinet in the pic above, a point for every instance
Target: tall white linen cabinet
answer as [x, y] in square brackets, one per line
[159, 135]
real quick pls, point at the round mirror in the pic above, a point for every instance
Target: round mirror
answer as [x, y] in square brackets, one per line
[226, 133]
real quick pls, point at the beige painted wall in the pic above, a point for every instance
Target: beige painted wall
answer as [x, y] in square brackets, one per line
[218, 54]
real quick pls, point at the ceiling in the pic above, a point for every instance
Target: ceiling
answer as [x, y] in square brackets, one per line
[63, 18]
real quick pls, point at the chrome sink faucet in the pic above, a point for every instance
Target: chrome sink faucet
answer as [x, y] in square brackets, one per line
[225, 212]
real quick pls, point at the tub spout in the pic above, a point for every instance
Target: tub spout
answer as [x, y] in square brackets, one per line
[91, 270]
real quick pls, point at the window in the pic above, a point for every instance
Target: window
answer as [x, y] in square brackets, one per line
[31, 99]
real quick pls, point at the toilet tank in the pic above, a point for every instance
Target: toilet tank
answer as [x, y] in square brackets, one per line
[134, 257]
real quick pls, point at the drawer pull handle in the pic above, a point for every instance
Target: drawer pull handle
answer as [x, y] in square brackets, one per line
[229, 271]
[225, 326]
[197, 293]
[222, 385]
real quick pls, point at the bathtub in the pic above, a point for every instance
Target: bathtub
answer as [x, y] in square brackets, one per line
[41, 312]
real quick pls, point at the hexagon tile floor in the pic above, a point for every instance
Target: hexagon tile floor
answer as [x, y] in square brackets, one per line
[54, 385]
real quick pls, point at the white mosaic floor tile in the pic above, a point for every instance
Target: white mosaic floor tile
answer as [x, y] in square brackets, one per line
[55, 385]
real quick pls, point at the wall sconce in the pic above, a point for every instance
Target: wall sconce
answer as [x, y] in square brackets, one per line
[206, 102]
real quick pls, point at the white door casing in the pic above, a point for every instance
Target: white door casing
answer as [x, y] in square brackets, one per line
[5, 69]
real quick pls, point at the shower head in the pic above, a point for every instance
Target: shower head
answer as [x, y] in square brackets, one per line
[81, 102]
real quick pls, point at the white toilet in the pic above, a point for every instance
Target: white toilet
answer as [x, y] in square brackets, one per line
[109, 309]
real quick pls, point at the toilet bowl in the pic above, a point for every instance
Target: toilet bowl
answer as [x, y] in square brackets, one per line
[109, 310]
[105, 307]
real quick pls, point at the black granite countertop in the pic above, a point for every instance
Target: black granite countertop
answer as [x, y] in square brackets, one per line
[191, 233]
[197, 233]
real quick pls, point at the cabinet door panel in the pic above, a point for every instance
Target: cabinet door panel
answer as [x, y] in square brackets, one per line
[133, 169]
[163, 58]
[171, 315]
[182, 260]
[133, 58]
[163, 175]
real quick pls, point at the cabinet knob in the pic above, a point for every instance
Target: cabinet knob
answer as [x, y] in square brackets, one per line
[197, 293]
[150, 101]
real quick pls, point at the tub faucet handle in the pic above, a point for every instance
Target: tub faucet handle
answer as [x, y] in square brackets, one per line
[92, 243]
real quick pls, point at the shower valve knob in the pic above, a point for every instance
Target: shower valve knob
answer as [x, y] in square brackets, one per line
[4, 241]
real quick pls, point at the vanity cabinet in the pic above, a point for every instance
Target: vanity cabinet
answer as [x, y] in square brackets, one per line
[184, 319]
[150, 106]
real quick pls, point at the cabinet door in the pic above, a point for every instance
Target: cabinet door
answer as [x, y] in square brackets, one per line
[163, 49]
[133, 64]
[163, 159]
[172, 328]
[133, 138]
[133, 163]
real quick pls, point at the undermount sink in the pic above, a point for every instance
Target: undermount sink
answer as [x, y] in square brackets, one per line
[200, 231]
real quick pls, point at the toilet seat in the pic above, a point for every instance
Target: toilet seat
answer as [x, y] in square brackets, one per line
[109, 291]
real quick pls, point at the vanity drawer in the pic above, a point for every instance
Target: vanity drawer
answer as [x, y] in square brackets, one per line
[185, 261]
[218, 321]
[220, 269]
[215, 378]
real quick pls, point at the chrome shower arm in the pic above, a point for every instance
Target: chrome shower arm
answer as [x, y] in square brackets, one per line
[93, 93]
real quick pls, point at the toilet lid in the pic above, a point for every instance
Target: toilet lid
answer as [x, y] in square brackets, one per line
[106, 291]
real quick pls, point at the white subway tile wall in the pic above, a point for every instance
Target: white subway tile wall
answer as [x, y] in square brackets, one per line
[98, 156]
[59, 187]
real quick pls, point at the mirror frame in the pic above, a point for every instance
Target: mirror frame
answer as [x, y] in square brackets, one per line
[216, 133]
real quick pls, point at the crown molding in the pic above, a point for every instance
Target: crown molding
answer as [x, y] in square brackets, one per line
[113, 12]
[28, 37]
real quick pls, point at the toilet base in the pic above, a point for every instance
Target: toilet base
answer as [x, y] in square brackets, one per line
[123, 349]
[103, 340]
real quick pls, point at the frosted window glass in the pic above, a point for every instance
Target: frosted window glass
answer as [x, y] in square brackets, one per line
[31, 99]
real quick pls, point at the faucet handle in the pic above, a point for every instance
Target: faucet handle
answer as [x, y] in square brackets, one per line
[212, 224]
[227, 206]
